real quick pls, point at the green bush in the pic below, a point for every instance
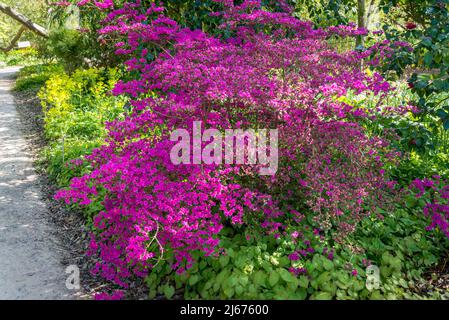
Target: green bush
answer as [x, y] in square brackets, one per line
[68, 47]
[32, 78]
[20, 57]
[421, 139]
[76, 109]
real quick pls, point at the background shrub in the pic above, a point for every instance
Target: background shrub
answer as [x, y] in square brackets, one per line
[76, 109]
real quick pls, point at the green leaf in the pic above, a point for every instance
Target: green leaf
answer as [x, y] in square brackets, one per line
[239, 290]
[284, 262]
[240, 262]
[410, 201]
[259, 278]
[208, 285]
[194, 279]
[224, 260]
[204, 294]
[446, 124]
[152, 294]
[232, 281]
[202, 265]
[376, 295]
[273, 278]
[442, 114]
[286, 275]
[427, 42]
[301, 294]
[169, 291]
[428, 58]
[322, 296]
[243, 280]
[323, 278]
[229, 292]
[303, 281]
[328, 264]
[222, 276]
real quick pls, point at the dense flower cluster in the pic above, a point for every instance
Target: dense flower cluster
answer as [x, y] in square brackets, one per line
[436, 192]
[381, 52]
[287, 78]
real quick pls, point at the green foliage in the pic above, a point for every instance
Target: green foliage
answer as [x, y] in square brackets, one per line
[194, 14]
[426, 27]
[405, 10]
[400, 246]
[74, 48]
[88, 48]
[68, 46]
[76, 108]
[32, 78]
[259, 269]
[421, 139]
[35, 10]
[327, 12]
[20, 57]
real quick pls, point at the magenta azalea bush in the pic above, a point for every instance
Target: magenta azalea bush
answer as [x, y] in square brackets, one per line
[263, 70]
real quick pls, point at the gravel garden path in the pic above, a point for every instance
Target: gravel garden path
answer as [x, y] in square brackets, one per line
[30, 266]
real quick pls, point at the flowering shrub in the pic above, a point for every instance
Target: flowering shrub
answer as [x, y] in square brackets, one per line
[436, 194]
[266, 70]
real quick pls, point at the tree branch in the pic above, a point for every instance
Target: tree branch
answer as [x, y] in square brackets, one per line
[14, 40]
[25, 21]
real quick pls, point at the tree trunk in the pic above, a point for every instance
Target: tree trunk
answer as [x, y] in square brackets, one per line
[361, 20]
[26, 22]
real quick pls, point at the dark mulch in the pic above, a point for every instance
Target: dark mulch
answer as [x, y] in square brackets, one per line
[438, 277]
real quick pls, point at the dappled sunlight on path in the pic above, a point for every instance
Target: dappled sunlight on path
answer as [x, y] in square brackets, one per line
[29, 258]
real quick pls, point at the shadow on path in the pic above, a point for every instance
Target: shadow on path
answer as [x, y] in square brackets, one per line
[29, 251]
